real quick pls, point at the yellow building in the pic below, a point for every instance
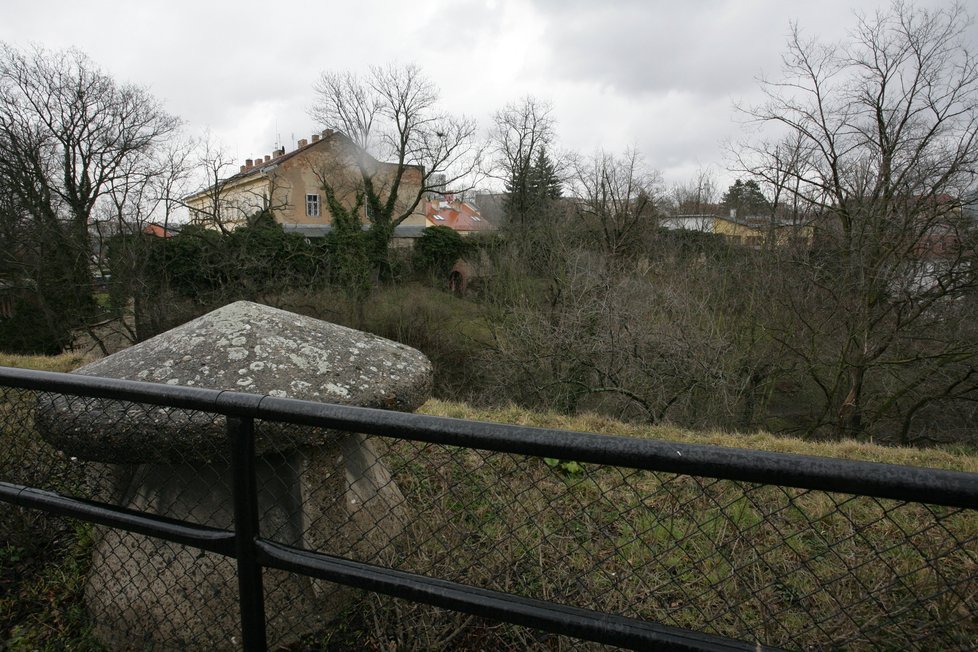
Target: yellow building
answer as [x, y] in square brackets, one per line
[755, 231]
[290, 186]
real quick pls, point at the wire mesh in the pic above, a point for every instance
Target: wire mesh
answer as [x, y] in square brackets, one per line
[785, 567]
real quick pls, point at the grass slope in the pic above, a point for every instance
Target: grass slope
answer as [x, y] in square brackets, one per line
[959, 458]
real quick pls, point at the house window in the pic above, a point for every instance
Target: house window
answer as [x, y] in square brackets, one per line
[312, 205]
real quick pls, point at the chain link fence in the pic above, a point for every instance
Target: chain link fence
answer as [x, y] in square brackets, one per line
[760, 563]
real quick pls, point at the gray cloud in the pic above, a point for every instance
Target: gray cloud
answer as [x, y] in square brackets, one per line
[657, 75]
[636, 48]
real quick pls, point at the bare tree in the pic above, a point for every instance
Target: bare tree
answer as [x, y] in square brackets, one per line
[217, 202]
[392, 113]
[675, 337]
[881, 153]
[522, 132]
[617, 198]
[784, 166]
[216, 168]
[145, 205]
[69, 136]
[696, 196]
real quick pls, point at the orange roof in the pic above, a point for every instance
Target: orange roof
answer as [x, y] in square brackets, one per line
[157, 230]
[455, 214]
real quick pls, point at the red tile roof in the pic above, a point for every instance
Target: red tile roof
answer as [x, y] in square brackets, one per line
[455, 214]
[157, 230]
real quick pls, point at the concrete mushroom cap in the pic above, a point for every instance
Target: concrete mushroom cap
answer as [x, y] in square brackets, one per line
[245, 347]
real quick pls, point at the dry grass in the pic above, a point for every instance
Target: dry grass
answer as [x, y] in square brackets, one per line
[954, 458]
[64, 362]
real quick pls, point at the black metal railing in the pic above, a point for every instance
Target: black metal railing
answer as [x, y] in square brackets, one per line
[619, 541]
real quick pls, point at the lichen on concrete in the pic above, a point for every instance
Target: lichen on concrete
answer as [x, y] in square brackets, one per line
[244, 347]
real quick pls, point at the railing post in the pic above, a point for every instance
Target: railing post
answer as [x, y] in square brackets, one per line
[251, 599]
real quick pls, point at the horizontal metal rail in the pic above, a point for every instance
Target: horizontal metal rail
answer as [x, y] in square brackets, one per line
[580, 623]
[198, 536]
[897, 482]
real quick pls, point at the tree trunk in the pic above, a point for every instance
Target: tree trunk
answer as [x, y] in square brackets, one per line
[849, 424]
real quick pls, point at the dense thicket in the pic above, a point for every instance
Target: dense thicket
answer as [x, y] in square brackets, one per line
[201, 268]
[72, 139]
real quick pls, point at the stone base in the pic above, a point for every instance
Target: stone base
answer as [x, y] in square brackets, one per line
[149, 594]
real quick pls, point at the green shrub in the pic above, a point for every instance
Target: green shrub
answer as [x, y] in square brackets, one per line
[437, 250]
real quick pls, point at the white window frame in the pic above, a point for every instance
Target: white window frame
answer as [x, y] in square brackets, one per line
[313, 207]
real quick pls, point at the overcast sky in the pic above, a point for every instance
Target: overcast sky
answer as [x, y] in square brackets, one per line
[660, 76]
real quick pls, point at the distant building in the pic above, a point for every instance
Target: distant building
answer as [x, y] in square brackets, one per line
[753, 230]
[704, 223]
[456, 214]
[289, 185]
[491, 206]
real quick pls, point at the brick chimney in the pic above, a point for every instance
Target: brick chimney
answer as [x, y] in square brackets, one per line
[268, 158]
[315, 138]
[303, 142]
[327, 133]
[249, 164]
[243, 168]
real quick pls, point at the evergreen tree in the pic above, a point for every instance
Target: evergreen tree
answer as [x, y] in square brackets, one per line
[532, 190]
[746, 198]
[516, 204]
[543, 184]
